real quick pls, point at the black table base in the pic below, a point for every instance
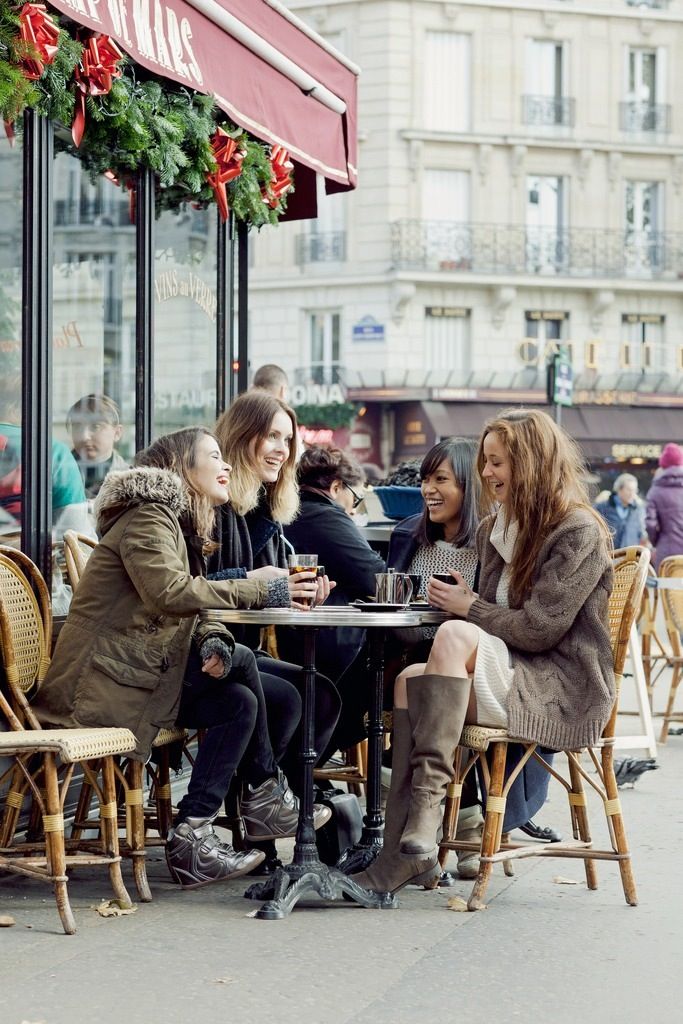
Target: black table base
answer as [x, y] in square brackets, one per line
[307, 875]
[297, 881]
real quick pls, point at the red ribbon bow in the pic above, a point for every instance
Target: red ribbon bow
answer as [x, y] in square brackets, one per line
[39, 35]
[94, 76]
[281, 181]
[228, 156]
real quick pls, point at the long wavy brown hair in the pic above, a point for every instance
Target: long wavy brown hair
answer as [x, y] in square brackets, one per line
[178, 452]
[546, 485]
[249, 418]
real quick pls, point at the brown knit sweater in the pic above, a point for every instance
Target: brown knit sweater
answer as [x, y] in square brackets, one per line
[563, 685]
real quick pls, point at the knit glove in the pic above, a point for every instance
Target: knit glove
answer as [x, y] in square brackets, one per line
[278, 593]
[214, 645]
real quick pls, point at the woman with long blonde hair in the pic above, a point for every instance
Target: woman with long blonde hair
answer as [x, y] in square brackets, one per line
[257, 435]
[529, 652]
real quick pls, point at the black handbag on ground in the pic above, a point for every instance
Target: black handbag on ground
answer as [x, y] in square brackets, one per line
[344, 827]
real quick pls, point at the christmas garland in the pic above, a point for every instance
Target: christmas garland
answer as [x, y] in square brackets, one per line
[117, 118]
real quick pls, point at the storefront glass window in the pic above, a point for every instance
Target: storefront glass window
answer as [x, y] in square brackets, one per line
[185, 320]
[11, 482]
[93, 341]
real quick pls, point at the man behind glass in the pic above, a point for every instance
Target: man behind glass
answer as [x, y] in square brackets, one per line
[95, 428]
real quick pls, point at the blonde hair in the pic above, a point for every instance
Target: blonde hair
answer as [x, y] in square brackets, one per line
[547, 473]
[178, 452]
[249, 420]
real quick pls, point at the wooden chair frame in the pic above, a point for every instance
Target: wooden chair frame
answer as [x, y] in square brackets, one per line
[654, 654]
[630, 568]
[43, 760]
[672, 604]
[77, 549]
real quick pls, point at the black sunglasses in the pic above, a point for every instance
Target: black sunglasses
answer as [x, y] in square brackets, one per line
[357, 498]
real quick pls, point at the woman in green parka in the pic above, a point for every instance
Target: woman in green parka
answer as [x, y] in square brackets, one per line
[133, 654]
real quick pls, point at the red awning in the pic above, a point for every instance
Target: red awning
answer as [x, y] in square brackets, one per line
[178, 39]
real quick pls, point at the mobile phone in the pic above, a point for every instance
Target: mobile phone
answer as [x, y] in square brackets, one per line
[444, 577]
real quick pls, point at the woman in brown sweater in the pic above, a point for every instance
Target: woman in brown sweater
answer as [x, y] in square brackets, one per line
[530, 652]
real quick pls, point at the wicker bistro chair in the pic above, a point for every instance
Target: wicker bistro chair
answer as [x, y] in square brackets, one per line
[77, 550]
[630, 570]
[42, 761]
[672, 604]
[654, 654]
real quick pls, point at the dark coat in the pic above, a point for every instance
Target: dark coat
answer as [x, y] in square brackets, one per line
[120, 658]
[625, 532]
[403, 543]
[324, 528]
[664, 513]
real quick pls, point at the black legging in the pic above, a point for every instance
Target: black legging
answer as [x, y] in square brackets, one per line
[274, 673]
[233, 712]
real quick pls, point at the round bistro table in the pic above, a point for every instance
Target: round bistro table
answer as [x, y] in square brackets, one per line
[307, 875]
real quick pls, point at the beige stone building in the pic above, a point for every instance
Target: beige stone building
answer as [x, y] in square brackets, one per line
[521, 169]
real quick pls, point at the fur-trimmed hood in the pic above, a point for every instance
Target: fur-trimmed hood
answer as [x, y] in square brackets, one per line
[125, 488]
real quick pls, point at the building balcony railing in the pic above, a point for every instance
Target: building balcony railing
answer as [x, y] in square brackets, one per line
[318, 373]
[326, 247]
[548, 111]
[657, 5]
[75, 212]
[645, 117]
[516, 249]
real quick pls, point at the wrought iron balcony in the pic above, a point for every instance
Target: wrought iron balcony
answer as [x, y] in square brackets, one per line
[645, 117]
[548, 111]
[326, 247]
[318, 373]
[657, 5]
[76, 212]
[516, 249]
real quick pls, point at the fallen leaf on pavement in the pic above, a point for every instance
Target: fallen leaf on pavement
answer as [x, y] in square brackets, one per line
[6, 921]
[560, 880]
[457, 904]
[113, 908]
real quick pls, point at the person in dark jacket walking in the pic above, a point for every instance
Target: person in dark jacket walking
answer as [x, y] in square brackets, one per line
[624, 513]
[664, 505]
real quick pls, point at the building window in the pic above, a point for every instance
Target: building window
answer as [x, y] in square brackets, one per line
[447, 341]
[547, 248]
[543, 333]
[324, 346]
[643, 217]
[642, 345]
[545, 102]
[645, 108]
[447, 72]
[447, 231]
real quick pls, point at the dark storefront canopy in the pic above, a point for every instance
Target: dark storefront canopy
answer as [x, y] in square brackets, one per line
[602, 431]
[265, 69]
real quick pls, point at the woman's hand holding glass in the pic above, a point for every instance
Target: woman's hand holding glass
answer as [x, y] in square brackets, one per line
[303, 589]
[266, 573]
[456, 599]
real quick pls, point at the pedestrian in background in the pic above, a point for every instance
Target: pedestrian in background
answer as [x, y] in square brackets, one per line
[664, 508]
[624, 513]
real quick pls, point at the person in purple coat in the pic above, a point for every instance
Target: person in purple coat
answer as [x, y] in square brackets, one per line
[664, 509]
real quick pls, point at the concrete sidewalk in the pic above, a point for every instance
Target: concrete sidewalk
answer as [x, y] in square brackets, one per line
[543, 951]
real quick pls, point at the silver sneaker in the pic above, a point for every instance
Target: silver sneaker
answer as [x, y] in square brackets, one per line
[196, 856]
[271, 811]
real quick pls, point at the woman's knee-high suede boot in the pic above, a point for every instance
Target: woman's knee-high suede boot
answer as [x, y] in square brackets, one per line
[391, 871]
[437, 706]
